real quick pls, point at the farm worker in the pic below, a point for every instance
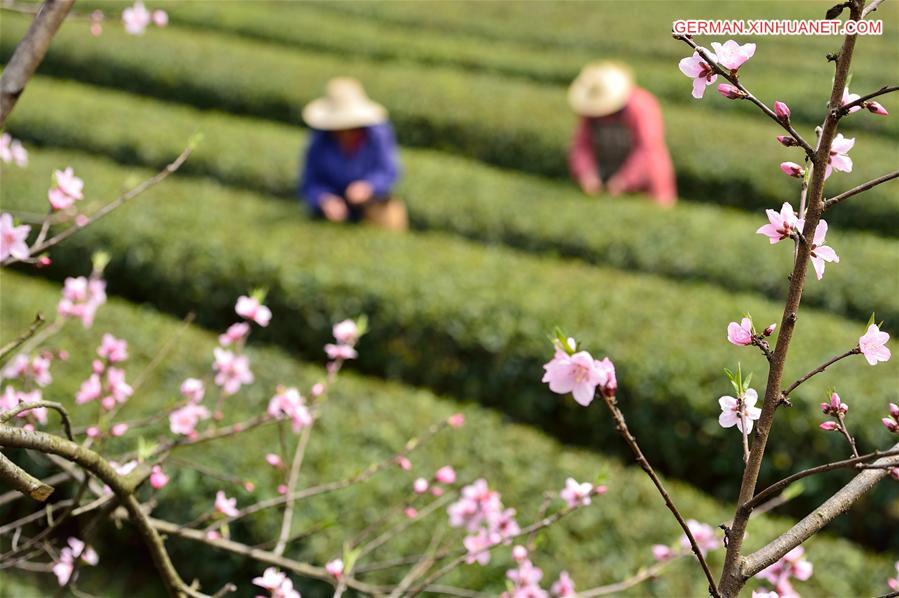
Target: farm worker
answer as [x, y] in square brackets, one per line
[619, 143]
[351, 162]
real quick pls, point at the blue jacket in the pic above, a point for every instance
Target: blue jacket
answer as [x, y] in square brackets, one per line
[328, 169]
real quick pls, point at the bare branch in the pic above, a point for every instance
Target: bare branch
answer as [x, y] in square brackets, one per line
[776, 487]
[819, 369]
[829, 203]
[644, 574]
[836, 505]
[8, 348]
[30, 53]
[5, 416]
[871, 7]
[292, 480]
[24, 482]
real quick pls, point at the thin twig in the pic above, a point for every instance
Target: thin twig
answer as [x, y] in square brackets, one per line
[819, 369]
[7, 349]
[292, 481]
[644, 574]
[829, 203]
[5, 416]
[844, 109]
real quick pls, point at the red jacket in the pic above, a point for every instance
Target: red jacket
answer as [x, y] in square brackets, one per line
[647, 167]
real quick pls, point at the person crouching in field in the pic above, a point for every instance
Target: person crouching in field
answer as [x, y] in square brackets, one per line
[351, 162]
[619, 144]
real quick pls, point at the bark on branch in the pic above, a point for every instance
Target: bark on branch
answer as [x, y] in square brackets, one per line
[30, 53]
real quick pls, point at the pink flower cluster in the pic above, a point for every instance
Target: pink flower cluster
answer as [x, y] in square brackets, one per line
[232, 371]
[580, 374]
[11, 398]
[524, 579]
[705, 537]
[67, 189]
[735, 411]
[445, 476]
[35, 370]
[224, 505]
[136, 18]
[288, 402]
[12, 150]
[891, 423]
[81, 297]
[873, 345]
[251, 309]
[184, 420]
[789, 566]
[114, 389]
[346, 333]
[480, 511]
[576, 494]
[729, 55]
[836, 408]
[13, 239]
[75, 550]
[276, 582]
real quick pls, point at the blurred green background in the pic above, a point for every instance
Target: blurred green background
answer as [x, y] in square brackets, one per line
[503, 248]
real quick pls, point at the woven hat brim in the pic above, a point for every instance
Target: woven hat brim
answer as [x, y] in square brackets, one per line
[609, 103]
[320, 114]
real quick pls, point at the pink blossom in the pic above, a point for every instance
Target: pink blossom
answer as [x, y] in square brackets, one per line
[224, 505]
[234, 334]
[731, 410]
[346, 332]
[848, 98]
[184, 420]
[445, 475]
[93, 432]
[90, 390]
[835, 406]
[829, 426]
[12, 238]
[780, 225]
[478, 545]
[477, 506]
[876, 108]
[282, 489]
[160, 18]
[564, 587]
[112, 349]
[274, 460]
[12, 150]
[456, 420]
[821, 253]
[792, 169]
[22, 397]
[119, 429]
[839, 158]
[730, 92]
[892, 422]
[420, 486]
[335, 568]
[67, 190]
[525, 581]
[125, 468]
[317, 390]
[37, 369]
[271, 579]
[577, 374]
[790, 565]
[765, 593]
[576, 494]
[519, 553]
[660, 552]
[9, 399]
[136, 18]
[76, 549]
[158, 479]
[732, 55]
[781, 110]
[703, 534]
[233, 371]
[340, 352]
[410, 512]
[249, 308]
[115, 379]
[873, 345]
[193, 389]
[437, 490]
[740, 334]
[289, 402]
[700, 71]
[81, 297]
[769, 330]
[404, 463]
[96, 19]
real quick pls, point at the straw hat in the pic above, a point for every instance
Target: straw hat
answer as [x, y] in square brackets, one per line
[601, 89]
[345, 106]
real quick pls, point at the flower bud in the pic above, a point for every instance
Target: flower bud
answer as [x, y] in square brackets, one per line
[519, 553]
[894, 411]
[895, 473]
[792, 169]
[404, 463]
[787, 141]
[456, 420]
[769, 330]
[876, 108]
[890, 424]
[731, 92]
[119, 429]
[781, 110]
[829, 426]
[410, 512]
[420, 486]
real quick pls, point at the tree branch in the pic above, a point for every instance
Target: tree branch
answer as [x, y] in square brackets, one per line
[819, 369]
[5, 416]
[829, 203]
[621, 425]
[24, 482]
[8, 348]
[776, 487]
[836, 505]
[30, 53]
[844, 109]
